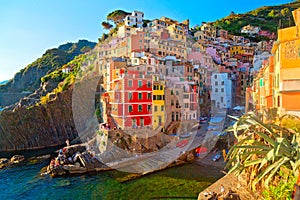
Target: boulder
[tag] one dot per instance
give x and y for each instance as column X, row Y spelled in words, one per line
column 4, row 161
column 17, row 159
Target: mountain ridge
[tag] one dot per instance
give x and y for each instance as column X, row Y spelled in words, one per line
column 28, row 79
column 269, row 18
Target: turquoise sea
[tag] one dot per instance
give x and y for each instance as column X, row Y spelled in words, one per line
column 184, row 182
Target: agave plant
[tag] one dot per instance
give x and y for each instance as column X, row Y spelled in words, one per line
column 262, row 149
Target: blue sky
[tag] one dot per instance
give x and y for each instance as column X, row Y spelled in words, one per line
column 29, row 27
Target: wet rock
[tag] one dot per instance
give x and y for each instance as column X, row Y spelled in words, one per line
column 39, row 158
column 4, row 161
column 17, row 159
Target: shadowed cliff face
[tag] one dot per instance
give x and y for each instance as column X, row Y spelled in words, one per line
column 39, row 126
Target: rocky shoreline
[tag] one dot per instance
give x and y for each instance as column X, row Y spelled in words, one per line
column 17, row 159
column 76, row 159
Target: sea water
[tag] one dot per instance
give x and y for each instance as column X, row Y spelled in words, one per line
column 25, row 182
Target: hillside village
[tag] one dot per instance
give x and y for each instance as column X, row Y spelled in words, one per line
column 159, row 72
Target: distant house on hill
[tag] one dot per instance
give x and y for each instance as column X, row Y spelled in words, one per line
column 251, row 30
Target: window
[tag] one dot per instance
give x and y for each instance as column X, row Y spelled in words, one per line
column 216, row 76
column 154, row 87
column 177, row 116
column 222, row 99
column 149, row 107
column 140, row 108
column 177, row 104
column 140, row 95
column 177, row 93
column 186, row 105
column 149, row 95
column 155, row 108
column 172, row 93
column 140, row 83
column 129, row 83
column 148, row 84
column 222, row 89
column 130, row 96
column 186, row 96
column 216, row 83
column 172, row 102
column 161, row 87
column 154, row 97
column 162, row 108
column 216, row 90
column 130, row 108
column 222, row 83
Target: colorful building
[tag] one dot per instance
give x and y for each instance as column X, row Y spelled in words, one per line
column 158, row 102
column 286, row 52
column 131, row 99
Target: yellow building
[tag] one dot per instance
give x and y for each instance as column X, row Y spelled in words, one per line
column 235, row 50
column 286, row 51
column 158, row 103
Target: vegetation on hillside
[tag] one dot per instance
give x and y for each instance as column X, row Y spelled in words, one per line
column 52, row 59
column 268, row 18
column 66, row 79
column 268, row 152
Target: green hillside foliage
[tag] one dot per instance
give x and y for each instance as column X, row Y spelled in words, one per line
column 51, row 60
column 57, row 57
column 66, row 79
column 269, row 18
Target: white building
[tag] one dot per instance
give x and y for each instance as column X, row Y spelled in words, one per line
column 135, row 19
column 250, row 29
column 221, row 94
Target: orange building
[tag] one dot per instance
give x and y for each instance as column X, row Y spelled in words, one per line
column 277, row 83
column 286, row 51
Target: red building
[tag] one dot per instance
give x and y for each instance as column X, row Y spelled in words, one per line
column 131, row 99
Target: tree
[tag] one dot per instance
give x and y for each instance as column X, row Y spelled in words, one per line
column 285, row 12
column 117, row 16
column 272, row 13
column 106, row 25
column 255, row 12
column 232, row 13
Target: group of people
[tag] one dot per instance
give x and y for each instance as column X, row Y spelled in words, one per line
column 105, row 126
column 63, row 158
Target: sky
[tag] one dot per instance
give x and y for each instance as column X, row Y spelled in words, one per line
column 29, row 27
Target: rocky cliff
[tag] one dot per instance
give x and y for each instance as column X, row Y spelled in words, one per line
column 38, row 126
